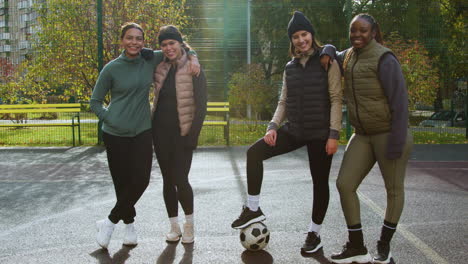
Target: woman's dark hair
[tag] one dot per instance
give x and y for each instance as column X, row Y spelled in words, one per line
column 315, row 45
column 375, row 27
column 170, row 30
column 129, row 25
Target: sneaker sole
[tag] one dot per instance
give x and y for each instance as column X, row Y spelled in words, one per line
column 317, row 248
column 130, row 243
column 187, row 242
column 388, row 260
column 358, row 259
column 98, row 224
column 251, row 221
column 172, row 241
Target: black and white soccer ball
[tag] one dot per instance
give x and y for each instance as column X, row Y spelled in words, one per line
column 255, row 236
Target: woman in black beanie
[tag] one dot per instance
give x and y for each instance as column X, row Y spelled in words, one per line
column 311, row 102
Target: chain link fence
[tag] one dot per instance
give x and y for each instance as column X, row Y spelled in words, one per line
column 49, row 54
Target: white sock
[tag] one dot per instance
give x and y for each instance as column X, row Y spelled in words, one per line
column 174, row 220
column 189, row 219
column 253, row 201
column 313, row 227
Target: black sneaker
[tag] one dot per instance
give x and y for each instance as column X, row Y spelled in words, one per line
column 312, row 243
column 248, row 217
column 383, row 253
column 351, row 254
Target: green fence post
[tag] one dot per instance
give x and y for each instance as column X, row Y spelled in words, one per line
column 452, row 110
column 225, row 51
column 348, row 10
column 348, row 13
column 466, row 112
column 348, row 126
column 100, row 55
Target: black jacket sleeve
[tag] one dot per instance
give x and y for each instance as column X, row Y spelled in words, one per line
column 201, row 98
column 331, row 51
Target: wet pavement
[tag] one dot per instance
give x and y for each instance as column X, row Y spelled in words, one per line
column 50, row 199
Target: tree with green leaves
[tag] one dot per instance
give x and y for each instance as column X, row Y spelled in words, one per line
column 11, row 89
column 270, row 20
column 439, row 25
column 7, row 75
column 454, row 56
column 65, row 53
column 248, row 86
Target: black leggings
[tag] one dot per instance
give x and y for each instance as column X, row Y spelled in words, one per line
column 175, row 162
column 129, row 161
column 319, row 164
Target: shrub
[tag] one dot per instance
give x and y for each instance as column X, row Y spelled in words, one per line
column 249, row 86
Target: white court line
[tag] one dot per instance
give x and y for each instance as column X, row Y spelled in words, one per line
column 418, row 243
column 52, row 181
column 444, row 222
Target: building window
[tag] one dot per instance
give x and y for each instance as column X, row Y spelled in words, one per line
column 4, row 36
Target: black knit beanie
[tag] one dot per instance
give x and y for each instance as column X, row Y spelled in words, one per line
column 299, row 22
column 169, row 32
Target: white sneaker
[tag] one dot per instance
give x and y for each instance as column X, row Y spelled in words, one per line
column 174, row 234
column 188, row 235
column 104, row 232
column 130, row 238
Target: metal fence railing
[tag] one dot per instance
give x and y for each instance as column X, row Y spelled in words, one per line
column 49, row 54
column 241, row 132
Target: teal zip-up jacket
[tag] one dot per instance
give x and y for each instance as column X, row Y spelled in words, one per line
column 128, row 80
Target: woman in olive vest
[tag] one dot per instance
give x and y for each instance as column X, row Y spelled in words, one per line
column 179, row 108
column 311, row 101
column 377, row 102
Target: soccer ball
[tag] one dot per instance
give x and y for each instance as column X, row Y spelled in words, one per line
column 255, row 236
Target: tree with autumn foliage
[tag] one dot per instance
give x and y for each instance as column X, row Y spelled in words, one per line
column 64, row 61
column 10, row 90
column 248, row 86
column 7, row 70
column 422, row 78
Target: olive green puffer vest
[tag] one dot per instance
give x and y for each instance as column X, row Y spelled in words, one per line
column 369, row 112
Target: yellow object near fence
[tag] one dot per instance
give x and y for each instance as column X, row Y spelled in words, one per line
column 219, row 107
column 17, row 109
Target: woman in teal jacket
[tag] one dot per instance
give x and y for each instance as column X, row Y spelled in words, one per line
column 127, row 127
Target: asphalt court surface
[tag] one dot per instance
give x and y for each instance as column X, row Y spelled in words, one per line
column 50, row 199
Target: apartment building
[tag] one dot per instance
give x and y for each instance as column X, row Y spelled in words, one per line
column 17, row 29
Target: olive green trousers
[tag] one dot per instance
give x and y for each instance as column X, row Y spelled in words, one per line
column 361, row 154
